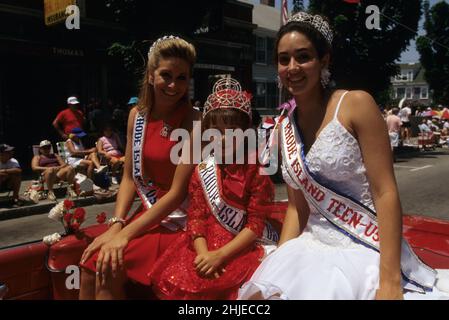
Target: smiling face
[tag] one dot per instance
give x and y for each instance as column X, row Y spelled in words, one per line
column 223, row 120
column 299, row 65
column 170, row 81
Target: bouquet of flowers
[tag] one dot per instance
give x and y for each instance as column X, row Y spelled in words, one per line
column 70, row 217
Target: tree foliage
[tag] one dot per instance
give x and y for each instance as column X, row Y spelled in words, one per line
column 148, row 20
column 367, row 59
column 298, row 5
column 434, row 50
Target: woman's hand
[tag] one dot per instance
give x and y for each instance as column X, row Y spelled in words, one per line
column 207, row 264
column 110, row 257
column 100, row 241
column 389, row 292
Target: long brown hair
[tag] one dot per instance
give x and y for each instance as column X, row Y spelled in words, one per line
column 168, row 48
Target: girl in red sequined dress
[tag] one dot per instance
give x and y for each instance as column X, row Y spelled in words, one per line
column 226, row 219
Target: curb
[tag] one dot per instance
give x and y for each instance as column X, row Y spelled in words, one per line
column 26, row 211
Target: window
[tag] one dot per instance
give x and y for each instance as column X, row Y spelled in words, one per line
column 270, row 50
column 410, row 76
column 416, row 92
column 424, row 93
column 409, row 93
column 400, row 93
column 261, row 50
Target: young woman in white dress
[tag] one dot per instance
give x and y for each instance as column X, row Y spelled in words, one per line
column 344, row 145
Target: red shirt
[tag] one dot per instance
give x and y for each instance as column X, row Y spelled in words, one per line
column 70, row 119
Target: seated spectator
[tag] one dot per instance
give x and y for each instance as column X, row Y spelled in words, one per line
column 424, row 127
column 110, row 146
column 426, row 131
column 10, row 174
column 78, row 156
column 53, row 169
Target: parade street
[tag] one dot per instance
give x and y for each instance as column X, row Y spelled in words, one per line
column 422, row 179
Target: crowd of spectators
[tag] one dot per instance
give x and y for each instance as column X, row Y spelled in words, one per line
column 92, row 143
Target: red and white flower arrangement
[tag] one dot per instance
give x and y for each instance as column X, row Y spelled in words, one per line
column 70, row 217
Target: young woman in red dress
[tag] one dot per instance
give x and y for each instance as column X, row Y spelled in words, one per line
column 131, row 245
column 227, row 214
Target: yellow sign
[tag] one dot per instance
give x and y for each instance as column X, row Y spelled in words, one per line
column 55, row 10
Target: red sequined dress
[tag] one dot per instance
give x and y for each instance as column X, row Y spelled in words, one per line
column 142, row 252
column 174, row 275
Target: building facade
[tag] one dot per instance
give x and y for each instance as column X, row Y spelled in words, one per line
column 410, row 83
column 41, row 65
column 264, row 75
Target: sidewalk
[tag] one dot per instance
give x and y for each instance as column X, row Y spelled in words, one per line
column 44, row 206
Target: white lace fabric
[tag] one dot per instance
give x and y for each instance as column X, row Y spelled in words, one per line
column 336, row 161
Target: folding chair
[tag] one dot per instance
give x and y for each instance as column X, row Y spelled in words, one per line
column 61, row 150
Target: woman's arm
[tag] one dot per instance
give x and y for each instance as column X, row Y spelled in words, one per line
column 173, row 198
column 100, row 148
column 76, row 153
column 61, row 162
column 35, row 164
column 371, row 131
column 168, row 203
column 296, row 216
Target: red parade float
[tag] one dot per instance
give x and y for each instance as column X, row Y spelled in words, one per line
column 34, row 270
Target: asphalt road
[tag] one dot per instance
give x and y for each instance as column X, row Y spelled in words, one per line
column 423, row 180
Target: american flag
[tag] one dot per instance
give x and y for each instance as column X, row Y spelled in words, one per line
column 284, row 12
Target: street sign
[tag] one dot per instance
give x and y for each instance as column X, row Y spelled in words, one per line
column 55, row 11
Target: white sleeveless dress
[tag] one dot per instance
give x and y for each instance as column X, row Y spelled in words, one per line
column 74, row 162
column 323, row 263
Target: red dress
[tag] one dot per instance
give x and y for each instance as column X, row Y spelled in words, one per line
column 174, row 275
column 142, row 252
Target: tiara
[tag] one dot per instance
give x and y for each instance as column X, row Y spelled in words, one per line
column 321, row 25
column 162, row 39
column 227, row 93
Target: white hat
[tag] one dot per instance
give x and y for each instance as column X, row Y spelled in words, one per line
column 44, row 143
column 72, row 100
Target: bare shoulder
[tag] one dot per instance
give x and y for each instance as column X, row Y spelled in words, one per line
column 360, row 107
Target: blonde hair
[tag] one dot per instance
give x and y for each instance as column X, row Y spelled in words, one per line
column 168, row 48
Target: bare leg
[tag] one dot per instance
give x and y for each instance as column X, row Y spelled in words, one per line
column 113, row 288
column 49, row 177
column 87, row 288
column 67, row 174
column 90, row 167
column 15, row 179
column 94, row 158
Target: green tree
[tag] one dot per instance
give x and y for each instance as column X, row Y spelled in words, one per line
column 148, row 20
column 367, row 59
column 434, row 50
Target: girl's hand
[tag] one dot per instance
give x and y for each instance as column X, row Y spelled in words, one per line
column 110, row 257
column 389, row 292
column 100, row 241
column 207, row 264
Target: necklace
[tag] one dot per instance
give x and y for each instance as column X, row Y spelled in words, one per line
column 166, row 129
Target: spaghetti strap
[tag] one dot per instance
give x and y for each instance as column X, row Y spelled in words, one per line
column 339, row 103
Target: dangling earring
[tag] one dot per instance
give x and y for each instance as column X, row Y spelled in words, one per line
column 278, row 81
column 325, row 77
